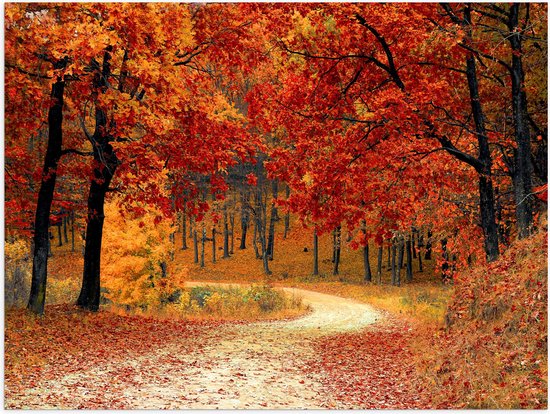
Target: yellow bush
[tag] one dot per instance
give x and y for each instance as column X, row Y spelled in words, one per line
column 214, row 303
column 134, row 249
column 18, row 270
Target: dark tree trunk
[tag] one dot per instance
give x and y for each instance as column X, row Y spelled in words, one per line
column 393, row 263
column 191, row 227
column 315, row 253
column 389, row 266
column 337, row 242
column 368, row 274
column 37, row 297
column 401, row 252
column 486, row 195
column 244, row 220
column 366, row 262
column 59, row 236
column 445, row 274
column 287, row 215
column 195, row 246
column 203, row 241
column 420, row 268
column 274, row 217
column 103, row 174
column 255, row 241
column 409, row 259
column 428, row 255
column 232, row 233
column 213, row 245
column 163, row 269
column 260, row 228
column 105, row 164
column 65, row 235
column 522, row 169
column 414, row 236
column 483, row 163
column 225, row 233
column 183, row 230
column 72, row 231
column 379, row 264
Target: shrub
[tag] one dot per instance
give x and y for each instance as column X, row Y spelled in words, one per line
column 199, row 294
column 235, row 302
column 18, row 270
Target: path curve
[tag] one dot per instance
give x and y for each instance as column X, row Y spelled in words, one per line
column 330, row 314
column 251, row 366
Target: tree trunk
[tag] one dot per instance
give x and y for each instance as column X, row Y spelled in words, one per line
column 389, row 266
column 420, row 237
column 37, row 297
column 213, row 245
column 287, row 215
column 315, row 253
column 244, row 220
column 103, row 174
column 428, row 255
column 203, row 241
column 225, row 233
column 72, row 231
column 183, row 230
column 393, row 263
column 59, row 236
column 366, row 263
column 105, row 164
column 232, row 233
column 400, row 260
column 261, row 213
column 414, row 236
column 409, row 259
column 522, row 168
column 272, row 220
column 195, row 246
column 445, row 274
column 65, row 219
column 255, row 241
column 337, row 242
column 379, row 264
column 401, row 254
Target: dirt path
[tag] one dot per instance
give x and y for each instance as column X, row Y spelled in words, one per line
column 259, row 365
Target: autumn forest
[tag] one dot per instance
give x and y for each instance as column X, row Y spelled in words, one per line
column 275, row 205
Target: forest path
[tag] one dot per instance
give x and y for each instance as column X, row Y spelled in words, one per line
column 253, row 366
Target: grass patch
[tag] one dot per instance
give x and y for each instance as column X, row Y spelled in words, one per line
column 256, row 302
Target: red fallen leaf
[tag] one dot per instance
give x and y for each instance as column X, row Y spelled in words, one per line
column 302, row 382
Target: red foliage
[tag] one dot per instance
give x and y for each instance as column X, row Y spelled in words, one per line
column 373, row 369
column 49, row 347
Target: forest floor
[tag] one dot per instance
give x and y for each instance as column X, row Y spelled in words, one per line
column 310, row 362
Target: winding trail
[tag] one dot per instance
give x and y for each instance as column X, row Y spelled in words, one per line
column 253, row 366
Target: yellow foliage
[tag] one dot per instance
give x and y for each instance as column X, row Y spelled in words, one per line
column 18, row 265
column 133, row 250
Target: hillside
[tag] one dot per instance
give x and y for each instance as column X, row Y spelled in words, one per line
column 492, row 352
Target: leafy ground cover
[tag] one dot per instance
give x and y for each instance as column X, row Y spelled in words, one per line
column 67, row 339
column 372, row 369
column 493, row 350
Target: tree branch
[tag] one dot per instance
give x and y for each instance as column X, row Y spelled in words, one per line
column 77, row 152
